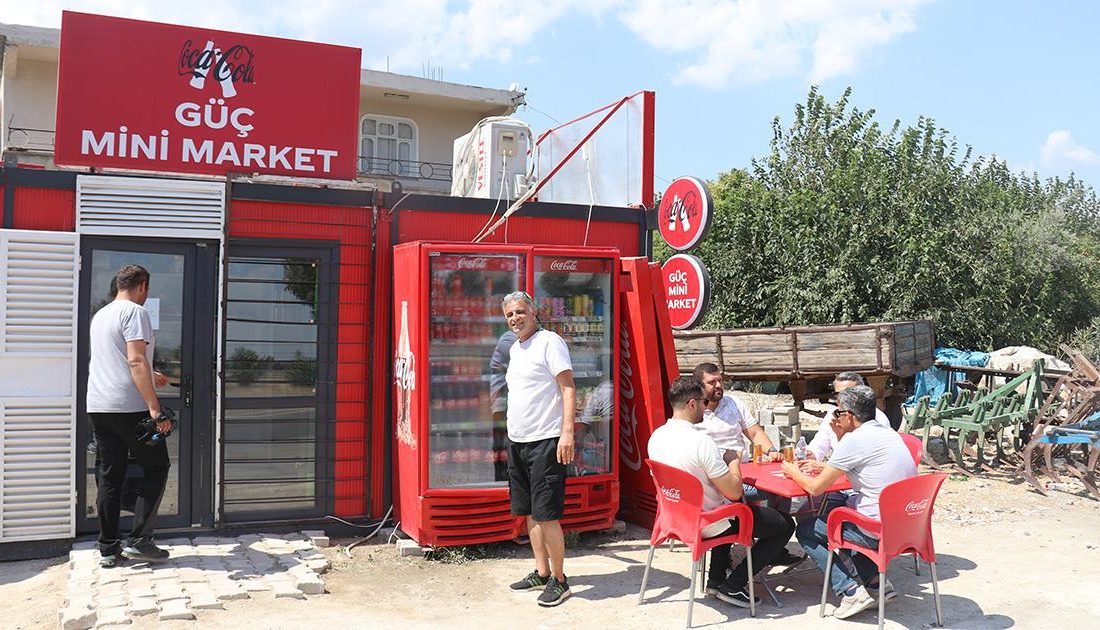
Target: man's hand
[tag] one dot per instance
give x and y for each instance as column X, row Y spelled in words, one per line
column 565, row 449
column 775, row 456
column 789, row 469
column 159, row 380
column 164, row 426
column 811, row 466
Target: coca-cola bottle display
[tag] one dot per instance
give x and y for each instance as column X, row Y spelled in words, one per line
column 572, row 296
column 469, row 342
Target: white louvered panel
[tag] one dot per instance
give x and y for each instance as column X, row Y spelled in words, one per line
column 164, row 208
column 38, row 290
column 37, row 490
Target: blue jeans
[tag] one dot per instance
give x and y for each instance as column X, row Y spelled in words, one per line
column 812, row 534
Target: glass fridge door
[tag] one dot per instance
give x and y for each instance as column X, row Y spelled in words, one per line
column 468, row 359
column 574, row 300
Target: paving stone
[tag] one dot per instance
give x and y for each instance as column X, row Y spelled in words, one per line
column 137, row 570
column 113, row 601
column 164, row 573
column 73, row 618
column 174, row 542
column 310, row 585
column 141, row 592
column 86, row 601
column 227, row 589
column 83, row 556
column 253, row 585
column 320, row 566
column 143, row 606
column 169, row 591
column 191, row 574
column 115, row 616
column 205, row 600
column 175, row 609
column 287, row 560
column 311, row 554
column 287, row 589
column 112, row 576
column 317, row 537
column 85, row 544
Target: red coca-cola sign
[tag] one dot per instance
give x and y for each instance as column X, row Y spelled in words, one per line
column 474, row 263
column 687, row 289
column 161, row 97
column 685, row 213
column 572, row 265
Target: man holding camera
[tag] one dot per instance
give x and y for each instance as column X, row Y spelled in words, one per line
column 121, row 394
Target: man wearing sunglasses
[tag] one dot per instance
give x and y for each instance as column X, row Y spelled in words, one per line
column 872, row 457
column 821, row 447
column 541, row 410
column 677, row 443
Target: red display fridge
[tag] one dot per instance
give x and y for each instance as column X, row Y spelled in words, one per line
column 450, row 359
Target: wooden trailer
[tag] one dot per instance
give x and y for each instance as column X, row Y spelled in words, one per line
column 807, row 357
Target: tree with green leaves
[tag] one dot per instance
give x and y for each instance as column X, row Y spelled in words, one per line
column 845, row 221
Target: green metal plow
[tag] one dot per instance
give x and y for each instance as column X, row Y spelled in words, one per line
column 976, row 416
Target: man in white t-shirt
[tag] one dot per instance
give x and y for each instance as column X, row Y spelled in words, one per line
column 121, row 393
column 728, row 420
column 821, row 447
column 679, row 444
column 872, row 457
column 541, row 410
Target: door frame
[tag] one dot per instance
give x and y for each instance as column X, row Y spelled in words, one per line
column 200, row 286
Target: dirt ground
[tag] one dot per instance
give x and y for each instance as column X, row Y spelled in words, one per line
column 1008, row 557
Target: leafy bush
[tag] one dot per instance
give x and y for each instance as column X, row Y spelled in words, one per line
column 844, row 221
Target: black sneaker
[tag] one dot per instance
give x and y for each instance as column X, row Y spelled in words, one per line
column 110, row 560
column 712, row 587
column 737, row 597
column 555, row 592
column 787, row 559
column 144, row 550
column 532, row 582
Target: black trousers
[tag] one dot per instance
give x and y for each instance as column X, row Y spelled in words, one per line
column 115, row 443
column 770, row 529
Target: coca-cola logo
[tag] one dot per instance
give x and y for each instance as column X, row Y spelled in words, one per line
column 231, row 66
column 916, row 507
column 563, row 265
column 685, row 213
column 629, row 452
column 672, row 494
column 479, row 262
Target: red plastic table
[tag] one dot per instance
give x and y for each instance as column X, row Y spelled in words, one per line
column 769, row 477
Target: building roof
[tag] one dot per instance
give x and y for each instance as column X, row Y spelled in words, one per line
column 388, row 84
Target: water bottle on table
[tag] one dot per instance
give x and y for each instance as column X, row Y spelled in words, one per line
column 800, row 449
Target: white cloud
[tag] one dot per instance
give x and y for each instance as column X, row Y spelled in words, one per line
column 1062, row 153
column 749, row 41
column 718, row 42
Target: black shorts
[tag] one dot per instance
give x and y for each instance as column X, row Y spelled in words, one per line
column 536, row 480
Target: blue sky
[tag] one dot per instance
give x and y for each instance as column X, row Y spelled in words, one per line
column 1013, row 78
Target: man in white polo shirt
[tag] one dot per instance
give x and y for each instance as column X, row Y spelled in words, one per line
column 541, row 410
column 821, row 447
column 728, row 420
column 677, row 443
column 872, row 457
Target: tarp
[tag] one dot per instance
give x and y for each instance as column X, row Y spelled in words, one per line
column 935, row 382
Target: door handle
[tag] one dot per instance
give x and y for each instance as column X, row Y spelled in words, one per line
column 186, row 391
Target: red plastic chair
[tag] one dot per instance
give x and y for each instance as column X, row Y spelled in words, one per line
column 680, row 516
column 915, row 446
column 905, row 527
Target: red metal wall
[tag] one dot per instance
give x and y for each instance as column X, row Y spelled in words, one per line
column 44, row 209
column 429, row 225
column 350, row 226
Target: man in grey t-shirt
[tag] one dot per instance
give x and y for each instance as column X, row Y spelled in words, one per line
column 121, row 393
column 872, row 457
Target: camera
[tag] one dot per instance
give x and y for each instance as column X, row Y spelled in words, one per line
column 146, row 430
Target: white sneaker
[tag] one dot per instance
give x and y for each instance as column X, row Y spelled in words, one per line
column 890, row 593
column 853, row 604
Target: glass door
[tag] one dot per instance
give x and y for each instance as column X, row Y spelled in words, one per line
column 574, row 300
column 181, row 306
column 468, row 358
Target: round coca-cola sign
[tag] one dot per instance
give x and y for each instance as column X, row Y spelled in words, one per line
column 685, row 213
column 687, row 289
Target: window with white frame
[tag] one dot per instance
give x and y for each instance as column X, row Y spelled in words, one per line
column 387, row 146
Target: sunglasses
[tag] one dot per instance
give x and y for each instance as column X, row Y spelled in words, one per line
column 517, row 295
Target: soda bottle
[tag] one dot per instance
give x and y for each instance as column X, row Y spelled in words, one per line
column 800, row 449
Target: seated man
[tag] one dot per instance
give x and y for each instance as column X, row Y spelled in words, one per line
column 678, row 444
column 872, row 457
column 821, row 447
column 728, row 420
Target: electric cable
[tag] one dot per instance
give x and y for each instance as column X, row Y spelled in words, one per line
column 591, row 193
column 500, row 196
column 347, row 550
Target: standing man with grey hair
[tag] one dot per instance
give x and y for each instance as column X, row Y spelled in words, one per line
column 121, row 393
column 872, row 457
column 821, row 447
column 541, row 411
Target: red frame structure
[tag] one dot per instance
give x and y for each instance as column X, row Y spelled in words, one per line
column 462, row 516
